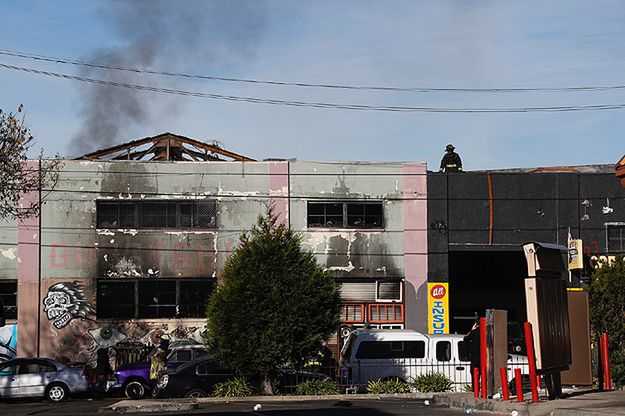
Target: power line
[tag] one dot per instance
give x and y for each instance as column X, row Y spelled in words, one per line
column 310, row 104
column 69, row 61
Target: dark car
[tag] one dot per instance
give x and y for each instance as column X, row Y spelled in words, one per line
column 196, row 378
column 134, row 378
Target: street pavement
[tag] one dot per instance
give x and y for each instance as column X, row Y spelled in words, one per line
column 396, row 407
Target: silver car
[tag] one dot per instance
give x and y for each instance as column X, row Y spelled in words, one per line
column 32, row 377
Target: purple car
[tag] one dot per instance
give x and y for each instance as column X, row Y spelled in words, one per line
column 134, row 378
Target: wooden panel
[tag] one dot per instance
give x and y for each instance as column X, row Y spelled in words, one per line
column 580, row 372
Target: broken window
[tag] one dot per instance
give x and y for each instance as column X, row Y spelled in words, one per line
column 388, row 291
column 153, row 298
column 346, row 214
column 8, row 295
column 156, row 214
column 616, row 238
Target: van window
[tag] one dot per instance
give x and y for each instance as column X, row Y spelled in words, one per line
column 390, row 349
column 443, row 351
column 463, row 351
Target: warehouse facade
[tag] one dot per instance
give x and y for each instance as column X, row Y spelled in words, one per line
column 124, row 251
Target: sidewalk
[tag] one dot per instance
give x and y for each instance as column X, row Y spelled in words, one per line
column 576, row 404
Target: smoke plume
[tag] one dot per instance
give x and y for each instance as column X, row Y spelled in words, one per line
column 190, row 36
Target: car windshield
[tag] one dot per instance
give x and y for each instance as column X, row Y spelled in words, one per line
column 192, row 363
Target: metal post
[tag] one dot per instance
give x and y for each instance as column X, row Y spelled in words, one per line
column 605, row 361
column 504, row 383
column 518, row 378
column 476, row 382
column 483, row 367
column 529, row 343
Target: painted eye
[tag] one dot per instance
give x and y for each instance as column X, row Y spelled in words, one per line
column 62, row 300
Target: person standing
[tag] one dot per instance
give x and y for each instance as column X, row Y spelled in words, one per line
column 472, row 341
column 158, row 358
column 451, row 161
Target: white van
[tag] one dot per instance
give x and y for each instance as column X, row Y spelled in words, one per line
column 370, row 355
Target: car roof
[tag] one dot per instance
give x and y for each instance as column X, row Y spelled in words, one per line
column 26, row 359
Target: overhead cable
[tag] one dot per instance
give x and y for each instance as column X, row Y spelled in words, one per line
column 69, row 61
column 311, row 104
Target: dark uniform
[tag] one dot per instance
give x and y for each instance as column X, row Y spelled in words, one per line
column 451, row 161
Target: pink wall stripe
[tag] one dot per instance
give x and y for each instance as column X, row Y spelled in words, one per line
column 279, row 189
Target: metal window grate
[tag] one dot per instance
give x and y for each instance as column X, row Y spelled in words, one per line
column 156, row 214
column 152, row 298
column 616, row 238
column 354, row 214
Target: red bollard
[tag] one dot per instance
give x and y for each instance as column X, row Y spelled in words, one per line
column 476, row 382
column 483, row 370
column 529, row 343
column 518, row 378
column 504, row 383
column 605, row 361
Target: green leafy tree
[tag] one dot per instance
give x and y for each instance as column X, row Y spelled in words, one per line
column 276, row 306
column 607, row 313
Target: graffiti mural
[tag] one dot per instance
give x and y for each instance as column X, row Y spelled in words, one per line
column 8, row 342
column 65, row 302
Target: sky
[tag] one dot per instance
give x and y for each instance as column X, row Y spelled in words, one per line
column 406, row 44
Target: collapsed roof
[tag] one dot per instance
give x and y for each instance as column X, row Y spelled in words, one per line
column 166, row 147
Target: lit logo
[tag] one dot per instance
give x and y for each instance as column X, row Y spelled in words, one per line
column 437, row 291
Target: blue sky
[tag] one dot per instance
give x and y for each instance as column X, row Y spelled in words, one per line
column 442, row 44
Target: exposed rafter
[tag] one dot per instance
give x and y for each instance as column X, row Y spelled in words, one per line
column 166, row 147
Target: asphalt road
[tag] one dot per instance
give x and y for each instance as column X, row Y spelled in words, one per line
column 85, row 407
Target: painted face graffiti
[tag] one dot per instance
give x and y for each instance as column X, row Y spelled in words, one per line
column 64, row 302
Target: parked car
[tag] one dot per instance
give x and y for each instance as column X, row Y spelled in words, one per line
column 405, row 354
column 134, row 379
column 32, row 377
column 196, row 378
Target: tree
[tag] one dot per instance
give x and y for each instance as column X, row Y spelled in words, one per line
column 16, row 175
column 607, row 313
column 275, row 306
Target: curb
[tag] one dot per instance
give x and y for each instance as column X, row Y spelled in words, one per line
column 334, row 397
column 181, row 405
column 466, row 400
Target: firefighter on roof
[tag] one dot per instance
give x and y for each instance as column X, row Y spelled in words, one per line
column 451, row 161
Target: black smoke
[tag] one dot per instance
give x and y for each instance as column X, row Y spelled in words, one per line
column 185, row 36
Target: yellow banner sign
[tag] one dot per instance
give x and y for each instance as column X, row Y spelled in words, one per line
column 438, row 307
column 576, row 255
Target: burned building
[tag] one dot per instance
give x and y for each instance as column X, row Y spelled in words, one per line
column 129, row 244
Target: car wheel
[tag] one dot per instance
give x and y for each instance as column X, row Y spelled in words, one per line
column 196, row 393
column 57, row 392
column 134, row 390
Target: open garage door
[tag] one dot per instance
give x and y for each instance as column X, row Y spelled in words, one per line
column 486, row 279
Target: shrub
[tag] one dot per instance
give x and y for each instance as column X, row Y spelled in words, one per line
column 388, row 386
column 239, row 387
column 432, row 383
column 323, row 387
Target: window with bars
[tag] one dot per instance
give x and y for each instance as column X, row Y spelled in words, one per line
column 353, row 313
column 152, row 298
column 156, row 214
column 616, row 238
column 359, row 214
column 8, row 296
column 386, row 313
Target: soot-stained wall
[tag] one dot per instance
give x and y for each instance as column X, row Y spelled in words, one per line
column 64, row 259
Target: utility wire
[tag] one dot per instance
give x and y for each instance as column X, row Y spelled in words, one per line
column 310, row 104
column 69, row 61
